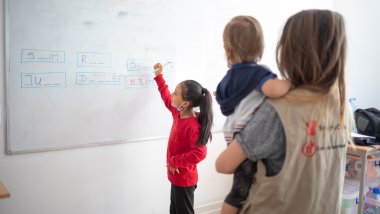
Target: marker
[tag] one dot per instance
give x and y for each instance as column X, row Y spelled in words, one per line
column 162, row 66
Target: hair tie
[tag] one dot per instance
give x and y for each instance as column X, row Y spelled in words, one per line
column 203, row 91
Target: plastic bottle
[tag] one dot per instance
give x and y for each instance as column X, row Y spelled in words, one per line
column 353, row 107
column 372, row 203
column 350, row 198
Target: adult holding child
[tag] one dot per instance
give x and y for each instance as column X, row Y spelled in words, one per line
column 300, row 139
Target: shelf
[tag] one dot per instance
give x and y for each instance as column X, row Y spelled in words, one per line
column 363, row 153
column 360, row 150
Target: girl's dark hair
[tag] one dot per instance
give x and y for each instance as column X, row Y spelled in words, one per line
column 194, row 93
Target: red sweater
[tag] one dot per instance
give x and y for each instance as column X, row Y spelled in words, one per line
column 182, row 153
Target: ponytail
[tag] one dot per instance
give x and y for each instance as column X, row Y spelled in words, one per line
column 205, row 117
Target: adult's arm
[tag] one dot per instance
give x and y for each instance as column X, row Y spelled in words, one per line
column 230, row 158
column 262, row 138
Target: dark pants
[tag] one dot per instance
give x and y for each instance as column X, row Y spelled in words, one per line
column 182, row 199
column 242, row 181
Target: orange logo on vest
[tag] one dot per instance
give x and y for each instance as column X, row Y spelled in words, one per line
column 309, row 148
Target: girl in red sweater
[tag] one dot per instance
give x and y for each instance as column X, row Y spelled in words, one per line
column 189, row 135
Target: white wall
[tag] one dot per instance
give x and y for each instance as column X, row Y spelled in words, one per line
column 363, row 64
column 130, row 178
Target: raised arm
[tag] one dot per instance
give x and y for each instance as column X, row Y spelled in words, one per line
column 163, row 87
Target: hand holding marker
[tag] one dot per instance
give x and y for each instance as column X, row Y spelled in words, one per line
column 158, row 70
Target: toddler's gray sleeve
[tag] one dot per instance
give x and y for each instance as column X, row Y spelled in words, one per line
column 263, row 137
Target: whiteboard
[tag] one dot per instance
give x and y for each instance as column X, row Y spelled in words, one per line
column 79, row 73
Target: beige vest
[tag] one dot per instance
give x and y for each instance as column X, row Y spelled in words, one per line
column 311, row 179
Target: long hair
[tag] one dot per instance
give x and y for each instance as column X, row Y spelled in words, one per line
column 243, row 40
column 198, row 96
column 311, row 52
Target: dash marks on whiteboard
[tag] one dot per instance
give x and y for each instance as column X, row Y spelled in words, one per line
column 95, row 61
column 39, row 79
column 139, row 73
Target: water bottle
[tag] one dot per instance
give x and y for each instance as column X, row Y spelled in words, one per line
column 372, row 202
column 353, row 107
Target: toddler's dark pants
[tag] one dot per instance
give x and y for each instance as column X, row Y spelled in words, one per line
column 243, row 178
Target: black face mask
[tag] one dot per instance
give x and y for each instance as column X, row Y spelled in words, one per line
column 180, row 107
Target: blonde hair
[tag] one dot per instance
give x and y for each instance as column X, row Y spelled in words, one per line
column 311, row 52
column 243, row 40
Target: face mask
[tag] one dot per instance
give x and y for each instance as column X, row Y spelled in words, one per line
column 180, row 107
